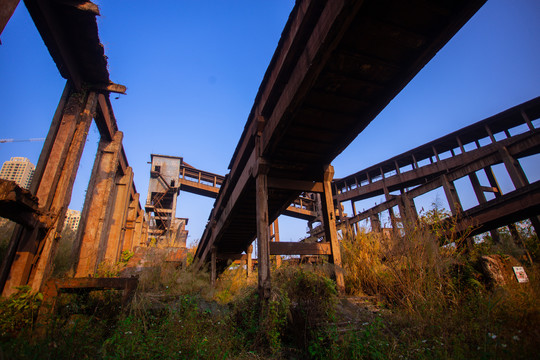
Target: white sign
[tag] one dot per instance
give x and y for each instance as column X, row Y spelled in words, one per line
column 521, row 275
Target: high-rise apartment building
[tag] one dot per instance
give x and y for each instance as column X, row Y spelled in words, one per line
column 18, row 169
column 72, row 219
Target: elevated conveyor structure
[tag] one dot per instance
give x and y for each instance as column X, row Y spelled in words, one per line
column 337, row 65
column 504, row 138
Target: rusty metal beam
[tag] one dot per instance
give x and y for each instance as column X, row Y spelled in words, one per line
column 296, row 185
column 82, row 5
column 47, row 22
column 300, row 248
column 6, row 11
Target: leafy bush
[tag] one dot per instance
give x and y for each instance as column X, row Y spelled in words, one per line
column 19, row 311
column 431, row 304
column 297, row 316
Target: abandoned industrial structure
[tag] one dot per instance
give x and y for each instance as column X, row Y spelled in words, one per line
column 340, row 60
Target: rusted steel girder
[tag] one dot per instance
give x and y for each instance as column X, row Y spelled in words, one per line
column 6, row 11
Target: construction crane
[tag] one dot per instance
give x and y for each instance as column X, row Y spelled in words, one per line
column 2, row 141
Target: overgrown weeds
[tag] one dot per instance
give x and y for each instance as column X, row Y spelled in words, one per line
column 439, row 300
column 432, row 297
column 17, row 313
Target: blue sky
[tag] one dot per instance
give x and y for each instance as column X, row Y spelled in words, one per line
column 193, row 68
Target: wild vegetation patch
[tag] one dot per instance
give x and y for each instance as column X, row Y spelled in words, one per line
column 419, row 295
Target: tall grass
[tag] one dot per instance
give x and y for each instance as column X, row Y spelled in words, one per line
column 438, row 295
column 406, row 271
column 433, row 302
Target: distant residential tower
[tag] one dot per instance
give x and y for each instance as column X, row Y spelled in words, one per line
column 19, row 170
column 72, row 219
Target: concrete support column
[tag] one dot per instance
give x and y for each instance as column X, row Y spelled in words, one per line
column 53, row 185
column 119, row 216
column 329, row 223
column 452, row 196
column 387, row 197
column 514, row 169
column 408, row 209
column 144, row 233
column 139, row 225
column 263, row 239
column 375, row 223
column 94, row 226
column 481, row 197
column 129, row 236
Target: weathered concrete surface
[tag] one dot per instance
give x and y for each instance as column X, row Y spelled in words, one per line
column 67, row 136
column 497, row 270
column 18, row 204
column 93, row 231
column 119, row 217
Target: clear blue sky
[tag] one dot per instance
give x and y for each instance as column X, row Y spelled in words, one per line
column 193, row 68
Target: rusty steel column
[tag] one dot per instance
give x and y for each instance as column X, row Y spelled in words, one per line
column 131, row 221
column 276, row 239
column 119, row 215
column 263, row 239
column 95, row 218
column 53, row 186
column 249, row 260
column 329, row 223
column 356, row 229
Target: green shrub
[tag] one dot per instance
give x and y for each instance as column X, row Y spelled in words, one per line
column 19, row 311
